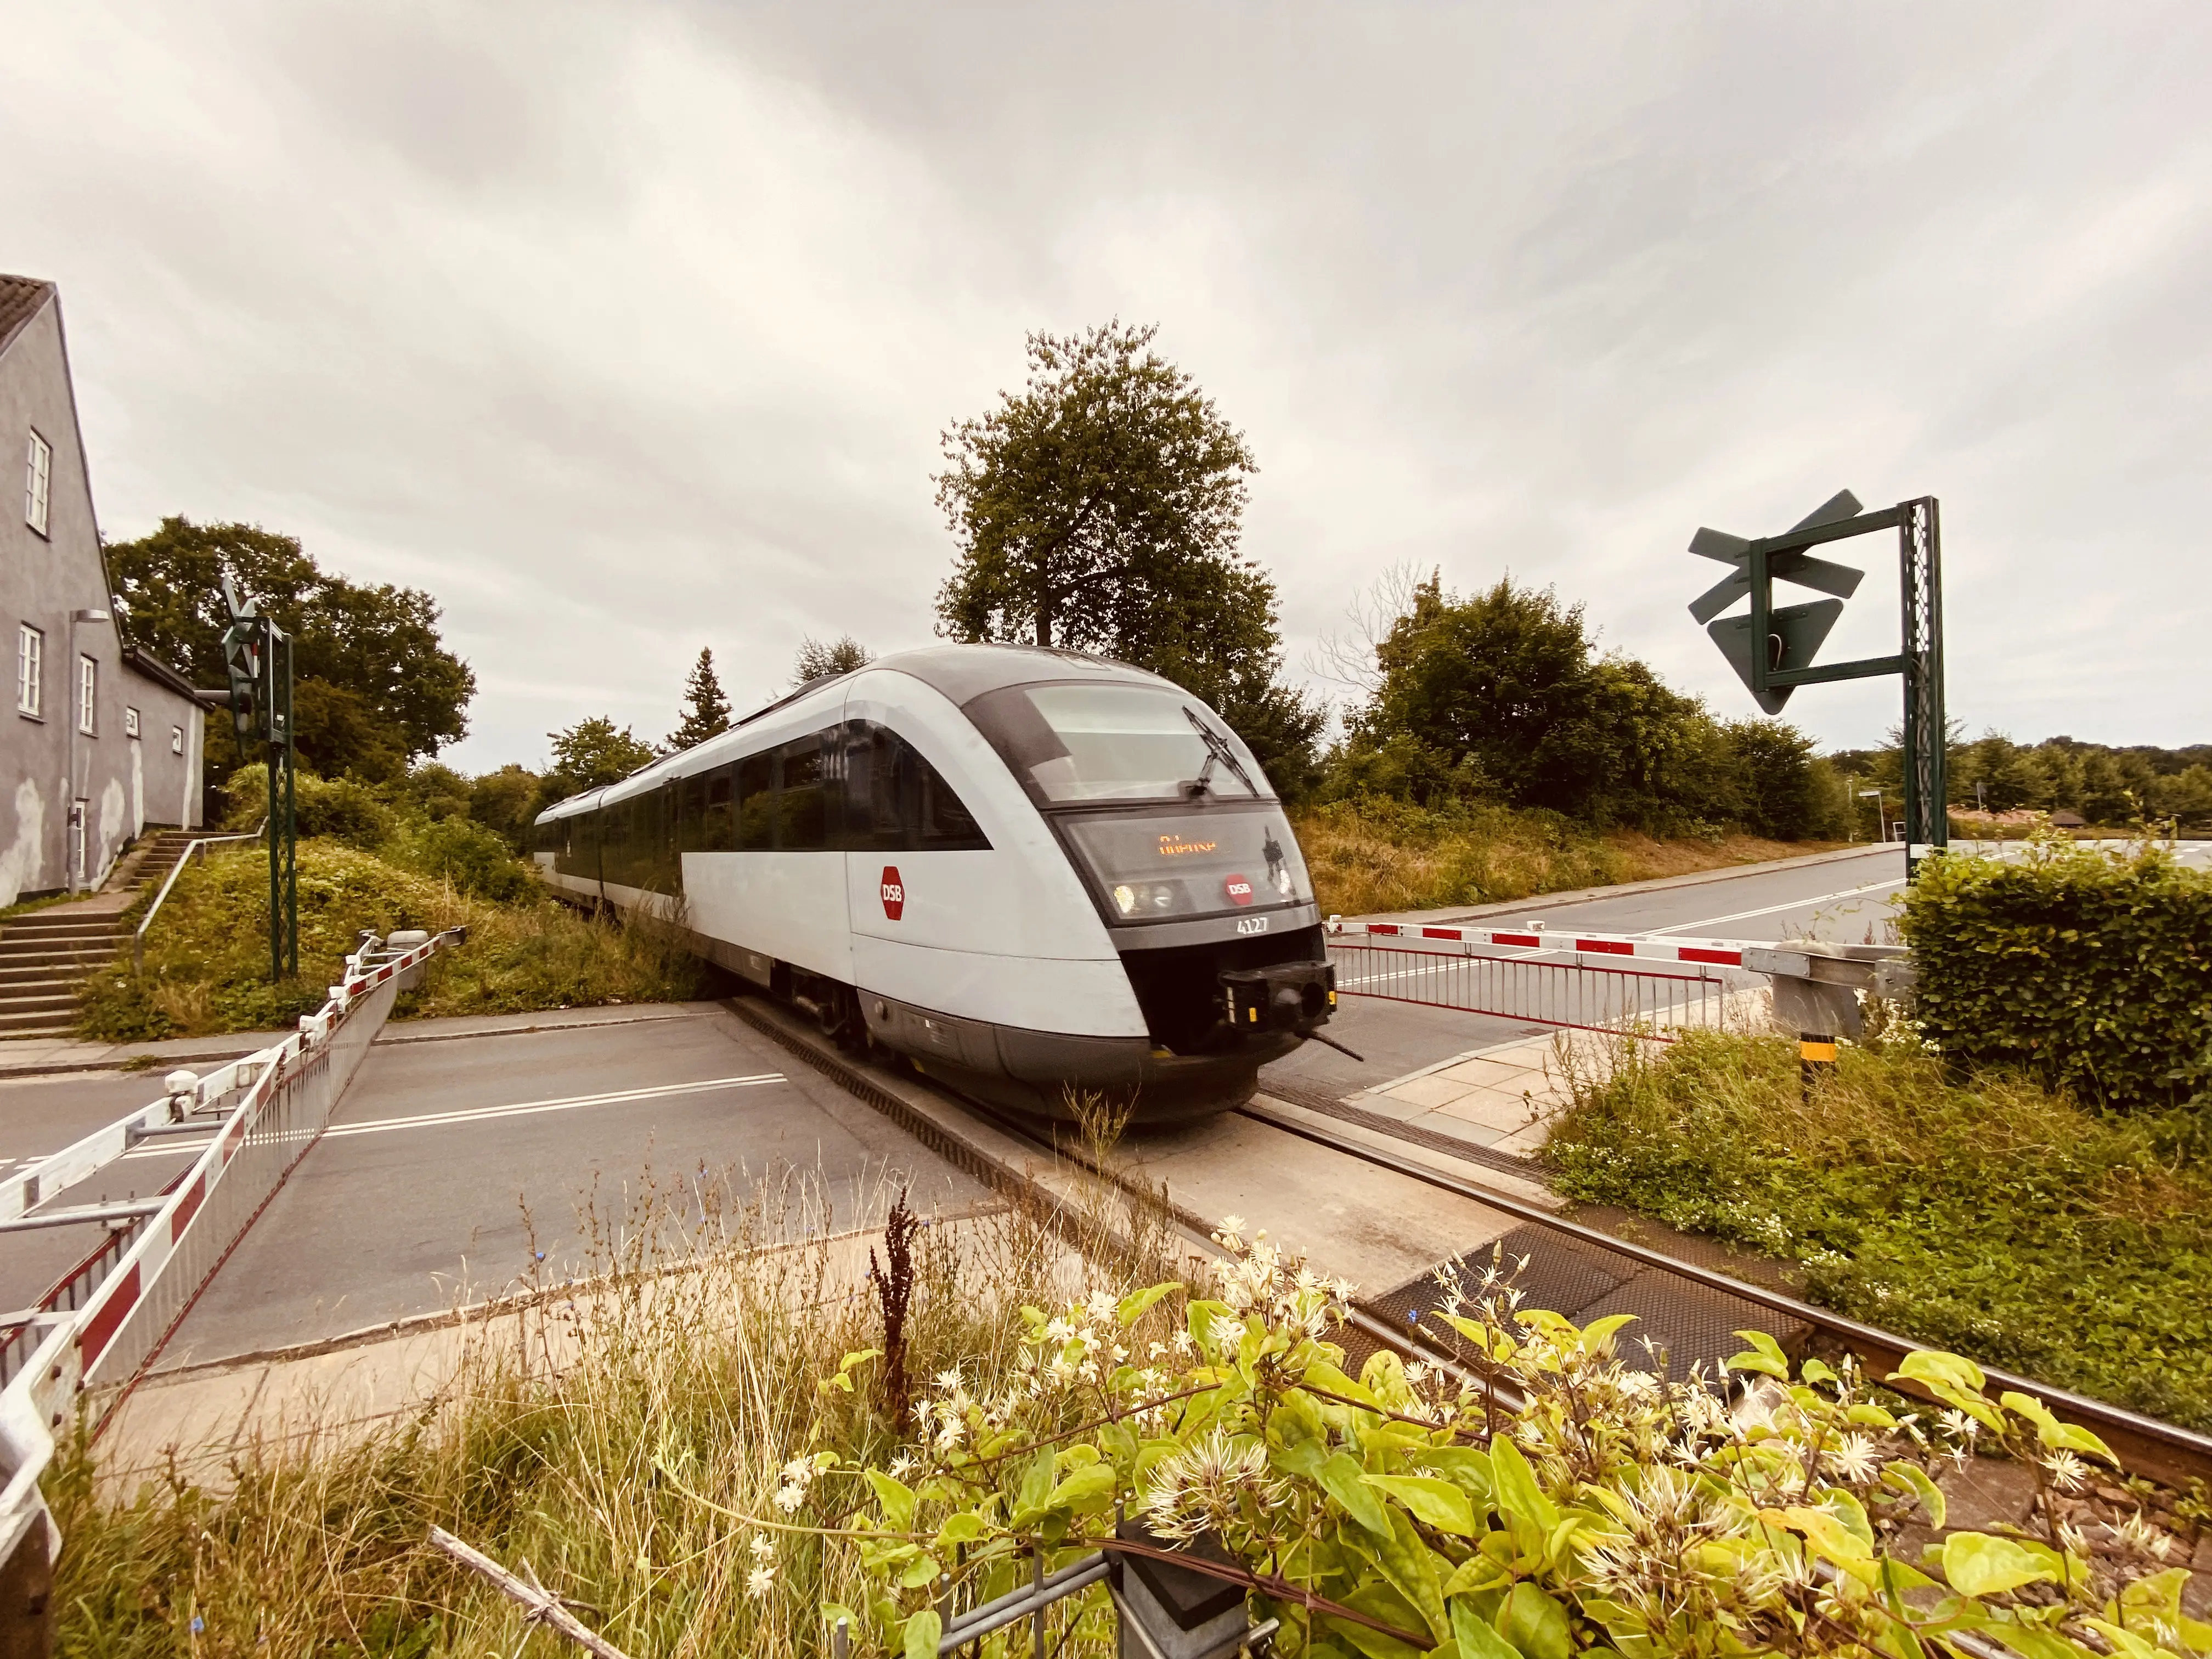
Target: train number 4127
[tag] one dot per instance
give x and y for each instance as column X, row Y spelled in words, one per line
column 1252, row 924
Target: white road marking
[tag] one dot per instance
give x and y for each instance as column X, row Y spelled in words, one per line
column 485, row 1114
column 1891, row 886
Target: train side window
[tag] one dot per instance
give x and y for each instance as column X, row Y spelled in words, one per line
column 715, row 823
column 802, row 814
column 691, row 813
column 755, row 824
column 895, row 801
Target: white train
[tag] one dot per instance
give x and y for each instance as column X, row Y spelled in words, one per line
column 1030, row 871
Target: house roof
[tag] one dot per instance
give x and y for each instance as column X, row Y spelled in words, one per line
column 19, row 300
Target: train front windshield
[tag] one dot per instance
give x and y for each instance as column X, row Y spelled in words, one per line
column 1218, row 844
column 1107, row 742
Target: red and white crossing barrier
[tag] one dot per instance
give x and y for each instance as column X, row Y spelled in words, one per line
column 1710, row 952
column 107, row 1319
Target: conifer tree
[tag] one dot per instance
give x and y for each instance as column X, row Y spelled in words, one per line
column 706, row 710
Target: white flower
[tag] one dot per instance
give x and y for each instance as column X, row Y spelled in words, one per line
column 947, row 1381
column 1059, row 1330
column 1156, row 1351
column 1102, row 1308
column 1961, row 1425
column 763, row 1546
column 2067, row 1473
column 758, row 1580
column 1225, row 1332
column 1855, row 1458
column 1232, row 1224
column 788, row 1498
column 1181, row 1340
column 799, row 1472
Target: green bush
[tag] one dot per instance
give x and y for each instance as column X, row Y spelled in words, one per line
column 476, row 860
column 340, row 809
column 2092, row 969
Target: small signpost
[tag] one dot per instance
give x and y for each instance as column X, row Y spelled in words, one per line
column 1772, row 647
column 258, row 655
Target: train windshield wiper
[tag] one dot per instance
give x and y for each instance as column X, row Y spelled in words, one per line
column 1217, row 751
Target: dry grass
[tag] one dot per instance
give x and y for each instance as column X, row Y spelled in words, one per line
column 1369, row 857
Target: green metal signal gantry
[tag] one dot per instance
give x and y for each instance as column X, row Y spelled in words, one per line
column 258, row 655
column 1771, row 647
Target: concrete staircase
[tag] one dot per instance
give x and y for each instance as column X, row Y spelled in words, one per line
column 155, row 858
column 45, row 956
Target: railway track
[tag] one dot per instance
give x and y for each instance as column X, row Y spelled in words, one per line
column 1576, row 1269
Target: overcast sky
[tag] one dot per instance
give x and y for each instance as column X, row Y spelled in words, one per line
column 626, row 329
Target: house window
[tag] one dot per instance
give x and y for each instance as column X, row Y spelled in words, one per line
column 176, row 739
column 88, row 695
column 38, row 476
column 30, row 663
column 129, row 722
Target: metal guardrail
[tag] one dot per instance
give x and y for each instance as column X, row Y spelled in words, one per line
column 195, row 849
column 106, row 1321
column 1641, row 1001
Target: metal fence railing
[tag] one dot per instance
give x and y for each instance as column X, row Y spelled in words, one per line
column 105, row 1322
column 1643, row 1001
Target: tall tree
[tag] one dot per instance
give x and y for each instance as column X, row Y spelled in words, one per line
column 818, row 659
column 1098, row 505
column 706, row 710
column 374, row 687
column 593, row 753
column 1100, row 508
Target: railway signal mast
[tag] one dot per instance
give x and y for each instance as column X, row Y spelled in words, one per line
column 1772, row 647
column 258, row 655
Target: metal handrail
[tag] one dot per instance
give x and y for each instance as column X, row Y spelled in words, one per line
column 193, row 850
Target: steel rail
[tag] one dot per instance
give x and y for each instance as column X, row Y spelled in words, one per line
column 2144, row 1444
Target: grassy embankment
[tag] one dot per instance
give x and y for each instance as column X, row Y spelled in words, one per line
column 1986, row 1216
column 1370, row 855
column 207, row 957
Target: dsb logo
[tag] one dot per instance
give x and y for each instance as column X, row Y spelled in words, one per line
column 1239, row 888
column 894, row 892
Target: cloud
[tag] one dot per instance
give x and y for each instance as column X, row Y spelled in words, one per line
column 630, row 329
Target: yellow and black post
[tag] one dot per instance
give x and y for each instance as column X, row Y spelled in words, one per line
column 1816, row 1058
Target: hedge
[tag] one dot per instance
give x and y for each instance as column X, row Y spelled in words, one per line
column 2092, row 969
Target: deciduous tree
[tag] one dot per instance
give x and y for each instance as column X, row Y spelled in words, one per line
column 818, row 659
column 1100, row 509
column 593, row 753
column 374, row 687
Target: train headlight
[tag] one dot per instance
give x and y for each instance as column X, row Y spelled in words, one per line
column 1125, row 900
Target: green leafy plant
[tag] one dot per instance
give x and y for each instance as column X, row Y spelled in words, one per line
column 1404, row 1512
